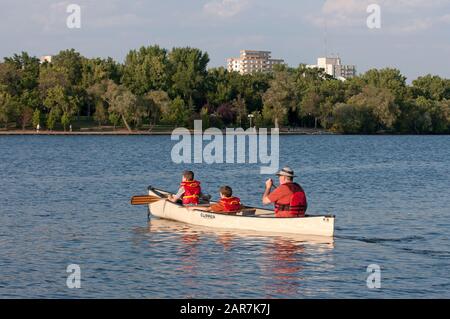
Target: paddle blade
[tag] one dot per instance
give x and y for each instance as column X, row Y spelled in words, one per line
column 144, row 199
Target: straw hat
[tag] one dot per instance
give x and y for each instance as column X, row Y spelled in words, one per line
column 286, row 171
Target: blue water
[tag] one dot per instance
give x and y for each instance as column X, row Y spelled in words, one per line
column 65, row 200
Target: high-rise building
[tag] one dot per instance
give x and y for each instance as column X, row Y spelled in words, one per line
column 333, row 66
column 46, row 58
column 252, row 61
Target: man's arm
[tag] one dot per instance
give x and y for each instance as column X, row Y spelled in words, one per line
column 177, row 196
column 265, row 198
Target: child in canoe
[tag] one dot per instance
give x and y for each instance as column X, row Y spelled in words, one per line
column 227, row 203
column 190, row 190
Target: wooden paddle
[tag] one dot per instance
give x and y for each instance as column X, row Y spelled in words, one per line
column 144, row 199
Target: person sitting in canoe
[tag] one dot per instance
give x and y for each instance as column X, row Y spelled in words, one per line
column 289, row 198
column 190, row 190
column 228, row 204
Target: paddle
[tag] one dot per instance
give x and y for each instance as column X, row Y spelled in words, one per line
column 144, row 199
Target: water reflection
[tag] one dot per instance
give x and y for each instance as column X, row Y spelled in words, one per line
column 202, row 255
column 226, row 241
column 285, row 264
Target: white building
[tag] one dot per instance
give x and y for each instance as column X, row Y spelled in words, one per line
column 333, row 66
column 252, row 61
column 46, row 58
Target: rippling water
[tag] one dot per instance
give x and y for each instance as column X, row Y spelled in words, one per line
column 65, row 200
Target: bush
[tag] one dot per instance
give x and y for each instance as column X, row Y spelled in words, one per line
column 353, row 119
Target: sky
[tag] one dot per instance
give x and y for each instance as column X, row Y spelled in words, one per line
column 414, row 35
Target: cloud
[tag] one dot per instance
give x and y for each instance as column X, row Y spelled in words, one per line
column 410, row 15
column 225, row 8
column 413, row 26
column 445, row 18
column 51, row 17
column 340, row 13
column 54, row 18
column 120, row 21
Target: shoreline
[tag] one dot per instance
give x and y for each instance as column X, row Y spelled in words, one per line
column 169, row 133
column 125, row 133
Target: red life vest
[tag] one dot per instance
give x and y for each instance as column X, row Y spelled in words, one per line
column 192, row 192
column 231, row 204
column 297, row 204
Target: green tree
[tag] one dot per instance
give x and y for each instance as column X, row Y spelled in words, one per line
column 97, row 70
column 31, row 99
column 240, row 109
column 52, row 118
column 114, row 119
column 36, row 120
column 177, row 113
column 380, row 103
column 220, row 86
column 121, row 102
column 70, row 63
column 146, row 69
column 188, row 74
column 258, row 119
column 25, row 116
column 280, row 98
column 65, row 120
column 62, row 104
column 51, row 76
column 431, row 87
column 430, row 116
column 156, row 102
column 6, row 108
column 27, row 68
column 124, row 104
column 390, row 79
column 352, row 119
column 204, row 116
column 440, row 113
column 445, row 108
column 101, row 113
column 331, row 92
column 310, row 105
column 251, row 87
column 10, row 79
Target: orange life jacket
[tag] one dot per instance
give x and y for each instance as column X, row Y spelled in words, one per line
column 297, row 204
column 192, row 192
column 231, row 204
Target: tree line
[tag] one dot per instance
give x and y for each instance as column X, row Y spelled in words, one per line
column 155, row 86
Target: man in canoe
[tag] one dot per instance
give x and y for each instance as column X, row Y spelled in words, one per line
column 227, row 203
column 289, row 198
column 190, row 190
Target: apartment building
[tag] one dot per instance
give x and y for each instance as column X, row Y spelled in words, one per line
column 333, row 66
column 46, row 58
column 251, row 61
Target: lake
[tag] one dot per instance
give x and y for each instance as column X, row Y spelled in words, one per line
column 65, row 200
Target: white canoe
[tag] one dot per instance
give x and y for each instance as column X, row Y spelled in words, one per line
column 262, row 221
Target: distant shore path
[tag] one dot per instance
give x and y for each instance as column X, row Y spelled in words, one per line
column 125, row 132
column 118, row 132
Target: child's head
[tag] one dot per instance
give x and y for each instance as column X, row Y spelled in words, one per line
column 225, row 191
column 188, row 176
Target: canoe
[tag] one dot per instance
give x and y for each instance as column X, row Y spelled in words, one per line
column 159, row 225
column 252, row 219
